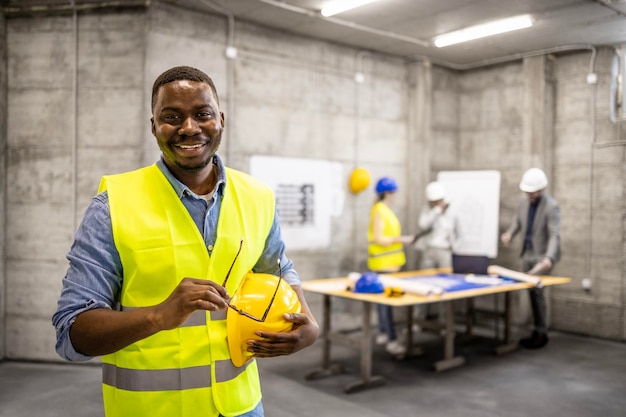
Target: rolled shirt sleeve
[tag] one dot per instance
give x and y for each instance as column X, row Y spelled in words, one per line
column 94, row 275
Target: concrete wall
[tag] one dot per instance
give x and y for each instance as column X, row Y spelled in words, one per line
column 589, row 169
column 56, row 155
column 3, row 141
column 493, row 133
column 78, row 107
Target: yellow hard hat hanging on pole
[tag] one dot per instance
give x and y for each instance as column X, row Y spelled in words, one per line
column 359, row 180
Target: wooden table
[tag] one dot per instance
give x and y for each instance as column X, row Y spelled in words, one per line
column 337, row 287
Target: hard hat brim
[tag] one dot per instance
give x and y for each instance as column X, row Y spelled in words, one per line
column 531, row 189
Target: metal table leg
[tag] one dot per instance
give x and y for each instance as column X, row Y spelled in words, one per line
column 508, row 345
column 327, row 368
column 449, row 360
column 470, row 313
column 410, row 350
column 367, row 380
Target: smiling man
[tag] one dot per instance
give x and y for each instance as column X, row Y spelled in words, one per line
column 142, row 288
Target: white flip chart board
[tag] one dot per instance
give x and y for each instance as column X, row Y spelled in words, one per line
column 474, row 198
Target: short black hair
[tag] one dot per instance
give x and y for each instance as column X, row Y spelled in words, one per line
column 181, row 73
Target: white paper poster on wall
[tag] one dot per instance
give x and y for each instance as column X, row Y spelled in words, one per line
column 474, row 198
column 307, row 193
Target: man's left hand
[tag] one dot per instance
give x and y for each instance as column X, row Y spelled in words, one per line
column 544, row 265
column 303, row 334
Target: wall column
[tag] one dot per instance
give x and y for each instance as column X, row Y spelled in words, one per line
column 3, row 175
column 419, row 144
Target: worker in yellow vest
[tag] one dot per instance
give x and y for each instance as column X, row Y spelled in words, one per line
column 386, row 254
column 159, row 259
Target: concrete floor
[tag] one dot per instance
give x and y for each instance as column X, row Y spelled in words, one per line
column 573, row 376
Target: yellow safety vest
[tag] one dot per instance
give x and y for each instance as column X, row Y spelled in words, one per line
column 384, row 258
column 186, row 371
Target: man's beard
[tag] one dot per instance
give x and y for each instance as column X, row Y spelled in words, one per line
column 197, row 167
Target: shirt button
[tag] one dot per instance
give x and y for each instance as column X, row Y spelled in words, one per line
column 210, row 247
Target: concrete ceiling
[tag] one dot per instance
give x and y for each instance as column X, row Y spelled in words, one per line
column 406, row 27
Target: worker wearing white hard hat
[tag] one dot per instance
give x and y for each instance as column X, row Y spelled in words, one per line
column 533, row 180
column 438, row 230
column 538, row 218
column 435, row 191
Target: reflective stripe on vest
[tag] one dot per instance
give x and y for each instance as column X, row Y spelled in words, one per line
column 168, row 379
column 188, row 369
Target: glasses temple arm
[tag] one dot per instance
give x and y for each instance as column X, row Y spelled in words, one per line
column 280, row 277
column 233, row 264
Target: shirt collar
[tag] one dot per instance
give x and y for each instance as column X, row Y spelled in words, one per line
column 539, row 200
column 182, row 190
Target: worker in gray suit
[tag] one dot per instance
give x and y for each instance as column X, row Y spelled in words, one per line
column 538, row 218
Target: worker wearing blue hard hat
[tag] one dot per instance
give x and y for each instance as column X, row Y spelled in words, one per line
column 386, row 254
column 386, row 184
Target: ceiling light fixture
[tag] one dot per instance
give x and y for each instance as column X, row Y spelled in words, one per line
column 339, row 6
column 486, row 29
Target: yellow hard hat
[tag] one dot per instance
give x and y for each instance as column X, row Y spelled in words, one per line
column 259, row 304
column 359, row 180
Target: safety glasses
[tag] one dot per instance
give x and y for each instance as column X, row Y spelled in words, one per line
column 267, row 310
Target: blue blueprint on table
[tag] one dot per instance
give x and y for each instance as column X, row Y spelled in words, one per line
column 459, row 282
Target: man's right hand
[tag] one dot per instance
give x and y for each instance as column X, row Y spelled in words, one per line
column 190, row 295
column 102, row 331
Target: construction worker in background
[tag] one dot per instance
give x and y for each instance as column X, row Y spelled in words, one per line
column 436, row 237
column 538, row 218
column 438, row 229
column 155, row 260
column 386, row 254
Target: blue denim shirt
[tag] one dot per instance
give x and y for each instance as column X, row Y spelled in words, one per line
column 94, row 277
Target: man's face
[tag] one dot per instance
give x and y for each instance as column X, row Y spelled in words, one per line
column 188, row 124
column 534, row 197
